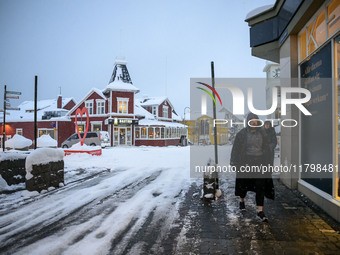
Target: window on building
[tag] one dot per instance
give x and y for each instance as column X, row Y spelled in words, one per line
column 144, row 132
column 165, row 111
column 96, row 126
column 46, row 131
column 157, row 133
column 204, row 127
column 162, row 132
column 81, row 128
column 151, row 133
column 89, row 106
column 100, row 106
column 137, row 133
column 123, row 105
column 154, row 110
column 19, row 131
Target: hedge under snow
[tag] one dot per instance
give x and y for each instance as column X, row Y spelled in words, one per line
column 42, row 156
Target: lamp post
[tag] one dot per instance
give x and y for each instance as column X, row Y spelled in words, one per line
column 184, row 120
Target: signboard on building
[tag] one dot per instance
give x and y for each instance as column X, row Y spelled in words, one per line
column 317, row 130
column 117, row 121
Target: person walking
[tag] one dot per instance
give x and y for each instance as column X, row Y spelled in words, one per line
column 271, row 134
column 251, row 149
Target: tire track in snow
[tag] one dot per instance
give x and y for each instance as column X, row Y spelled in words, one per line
column 103, row 206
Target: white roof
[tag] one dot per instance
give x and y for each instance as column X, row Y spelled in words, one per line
column 176, row 117
column 145, row 122
column 42, row 105
column 121, row 86
column 140, row 111
column 259, row 10
column 152, row 100
column 98, row 91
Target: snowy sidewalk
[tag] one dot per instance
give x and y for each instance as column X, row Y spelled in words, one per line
column 293, row 227
column 143, row 201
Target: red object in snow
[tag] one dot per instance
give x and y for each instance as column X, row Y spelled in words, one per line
column 93, row 152
column 81, row 112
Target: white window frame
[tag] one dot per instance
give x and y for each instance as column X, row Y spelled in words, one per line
column 100, row 101
column 155, row 110
column 19, row 131
column 90, row 109
column 49, row 129
column 97, row 123
column 123, row 99
column 166, row 109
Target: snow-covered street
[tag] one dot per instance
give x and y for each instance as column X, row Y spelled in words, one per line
column 105, row 202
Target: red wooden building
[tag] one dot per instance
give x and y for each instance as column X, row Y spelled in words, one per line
column 130, row 121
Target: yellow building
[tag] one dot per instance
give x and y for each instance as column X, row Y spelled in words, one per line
column 201, row 131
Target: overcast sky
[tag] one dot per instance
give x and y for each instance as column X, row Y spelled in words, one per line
column 73, row 44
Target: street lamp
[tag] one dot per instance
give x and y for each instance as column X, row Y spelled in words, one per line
column 184, row 120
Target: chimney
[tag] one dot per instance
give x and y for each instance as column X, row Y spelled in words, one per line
column 59, row 102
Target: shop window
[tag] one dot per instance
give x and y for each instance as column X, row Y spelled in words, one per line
column 337, row 76
column 302, row 44
column 333, row 11
column 157, row 133
column 165, row 111
column 319, row 32
column 100, row 107
column 115, row 136
column 311, row 41
column 143, row 132
column 89, row 106
column 19, row 131
column 123, row 105
column 151, row 133
column 204, row 127
column 96, row 126
column 137, row 133
column 162, row 132
column 46, row 131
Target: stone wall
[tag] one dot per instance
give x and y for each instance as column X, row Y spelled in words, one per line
column 45, row 176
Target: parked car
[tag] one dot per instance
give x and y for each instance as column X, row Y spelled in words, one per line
column 97, row 138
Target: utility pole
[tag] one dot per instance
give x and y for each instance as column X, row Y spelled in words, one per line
column 35, row 111
column 4, row 123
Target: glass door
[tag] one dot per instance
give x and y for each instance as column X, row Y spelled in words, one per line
column 122, row 136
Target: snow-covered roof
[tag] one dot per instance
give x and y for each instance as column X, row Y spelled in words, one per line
column 93, row 90
column 259, row 10
column 146, row 122
column 26, row 112
column 140, row 111
column 120, row 79
column 176, row 117
column 152, row 100
column 121, row 86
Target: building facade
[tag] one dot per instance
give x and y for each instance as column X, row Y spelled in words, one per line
column 150, row 121
column 303, row 37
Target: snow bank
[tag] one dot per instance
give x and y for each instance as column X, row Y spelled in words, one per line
column 46, row 141
column 13, row 155
column 18, row 142
column 42, row 156
column 78, row 147
column 3, row 184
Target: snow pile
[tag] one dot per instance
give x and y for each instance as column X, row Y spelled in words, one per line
column 12, row 155
column 18, row 142
column 42, row 156
column 3, row 184
column 78, row 147
column 46, row 141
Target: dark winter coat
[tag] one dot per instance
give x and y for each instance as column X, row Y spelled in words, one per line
column 239, row 158
column 271, row 134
